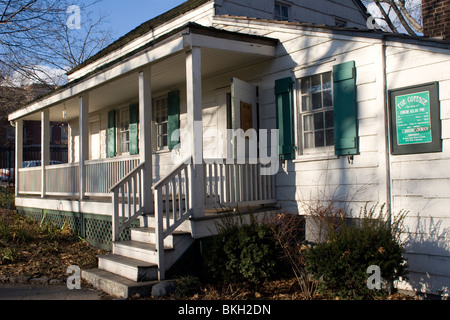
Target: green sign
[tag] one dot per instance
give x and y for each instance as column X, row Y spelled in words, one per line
column 413, row 121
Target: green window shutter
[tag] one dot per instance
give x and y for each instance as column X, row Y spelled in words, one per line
column 345, row 121
column 285, row 118
column 112, row 133
column 173, row 112
column 134, row 129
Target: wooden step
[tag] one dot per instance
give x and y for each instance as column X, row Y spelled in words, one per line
column 148, row 235
column 137, row 250
column 133, row 269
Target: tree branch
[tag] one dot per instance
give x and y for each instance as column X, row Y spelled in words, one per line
column 414, row 24
column 386, row 17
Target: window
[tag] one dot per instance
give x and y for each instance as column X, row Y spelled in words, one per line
column 281, row 12
column 340, row 23
column 124, row 130
column 316, row 115
column 161, row 122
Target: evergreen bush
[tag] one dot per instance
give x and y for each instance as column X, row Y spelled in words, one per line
column 340, row 264
column 243, row 251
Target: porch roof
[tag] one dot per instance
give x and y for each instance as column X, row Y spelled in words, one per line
column 124, row 70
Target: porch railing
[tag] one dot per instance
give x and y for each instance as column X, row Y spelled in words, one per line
column 63, row 179
column 231, row 184
column 103, row 174
column 127, row 197
column 30, row 180
column 172, row 207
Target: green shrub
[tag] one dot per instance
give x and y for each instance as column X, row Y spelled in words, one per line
column 243, row 251
column 341, row 262
column 186, row 286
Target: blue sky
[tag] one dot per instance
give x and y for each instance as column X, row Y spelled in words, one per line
column 125, row 15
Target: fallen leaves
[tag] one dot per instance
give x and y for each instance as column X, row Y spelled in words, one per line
column 42, row 251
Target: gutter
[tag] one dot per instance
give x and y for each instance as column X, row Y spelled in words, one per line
column 388, row 133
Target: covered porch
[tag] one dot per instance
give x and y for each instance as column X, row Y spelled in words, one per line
column 124, row 159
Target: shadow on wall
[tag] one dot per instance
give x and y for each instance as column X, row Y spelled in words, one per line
column 427, row 250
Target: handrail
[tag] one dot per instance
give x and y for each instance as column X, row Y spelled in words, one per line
column 127, row 177
column 111, row 160
column 172, row 174
column 177, row 209
column 127, row 196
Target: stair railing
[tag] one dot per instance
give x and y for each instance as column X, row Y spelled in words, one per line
column 172, row 206
column 127, row 197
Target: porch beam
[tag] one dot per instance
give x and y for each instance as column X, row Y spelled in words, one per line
column 195, row 127
column 145, row 137
column 45, row 148
column 83, row 144
column 249, row 47
column 19, row 153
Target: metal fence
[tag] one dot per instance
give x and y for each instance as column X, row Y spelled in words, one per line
column 30, row 153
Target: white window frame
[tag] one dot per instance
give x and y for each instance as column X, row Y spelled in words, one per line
column 121, row 130
column 303, row 152
column 159, row 109
column 281, row 17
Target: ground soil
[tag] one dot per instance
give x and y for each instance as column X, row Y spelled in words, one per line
column 32, row 250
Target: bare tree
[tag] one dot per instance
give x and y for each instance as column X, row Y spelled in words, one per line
column 38, row 44
column 399, row 16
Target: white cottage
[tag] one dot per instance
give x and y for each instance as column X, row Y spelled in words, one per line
column 321, row 97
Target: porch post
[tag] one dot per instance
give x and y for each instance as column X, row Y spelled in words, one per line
column 145, row 137
column 19, row 153
column 83, row 101
column 195, row 127
column 45, row 147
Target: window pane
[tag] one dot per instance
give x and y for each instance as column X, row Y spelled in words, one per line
column 309, row 140
column 318, row 121
column 329, row 137
column 326, row 80
column 164, row 128
column 329, row 119
column 327, row 99
column 285, row 12
column 319, row 139
column 306, row 103
column 308, row 120
column 306, row 85
column 316, row 84
column 317, row 101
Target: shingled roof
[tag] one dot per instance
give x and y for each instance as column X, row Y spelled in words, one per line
column 143, row 29
column 155, row 22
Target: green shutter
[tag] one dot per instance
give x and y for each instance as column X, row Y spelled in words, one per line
column 173, row 102
column 285, row 118
column 134, row 129
column 112, row 133
column 345, row 121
